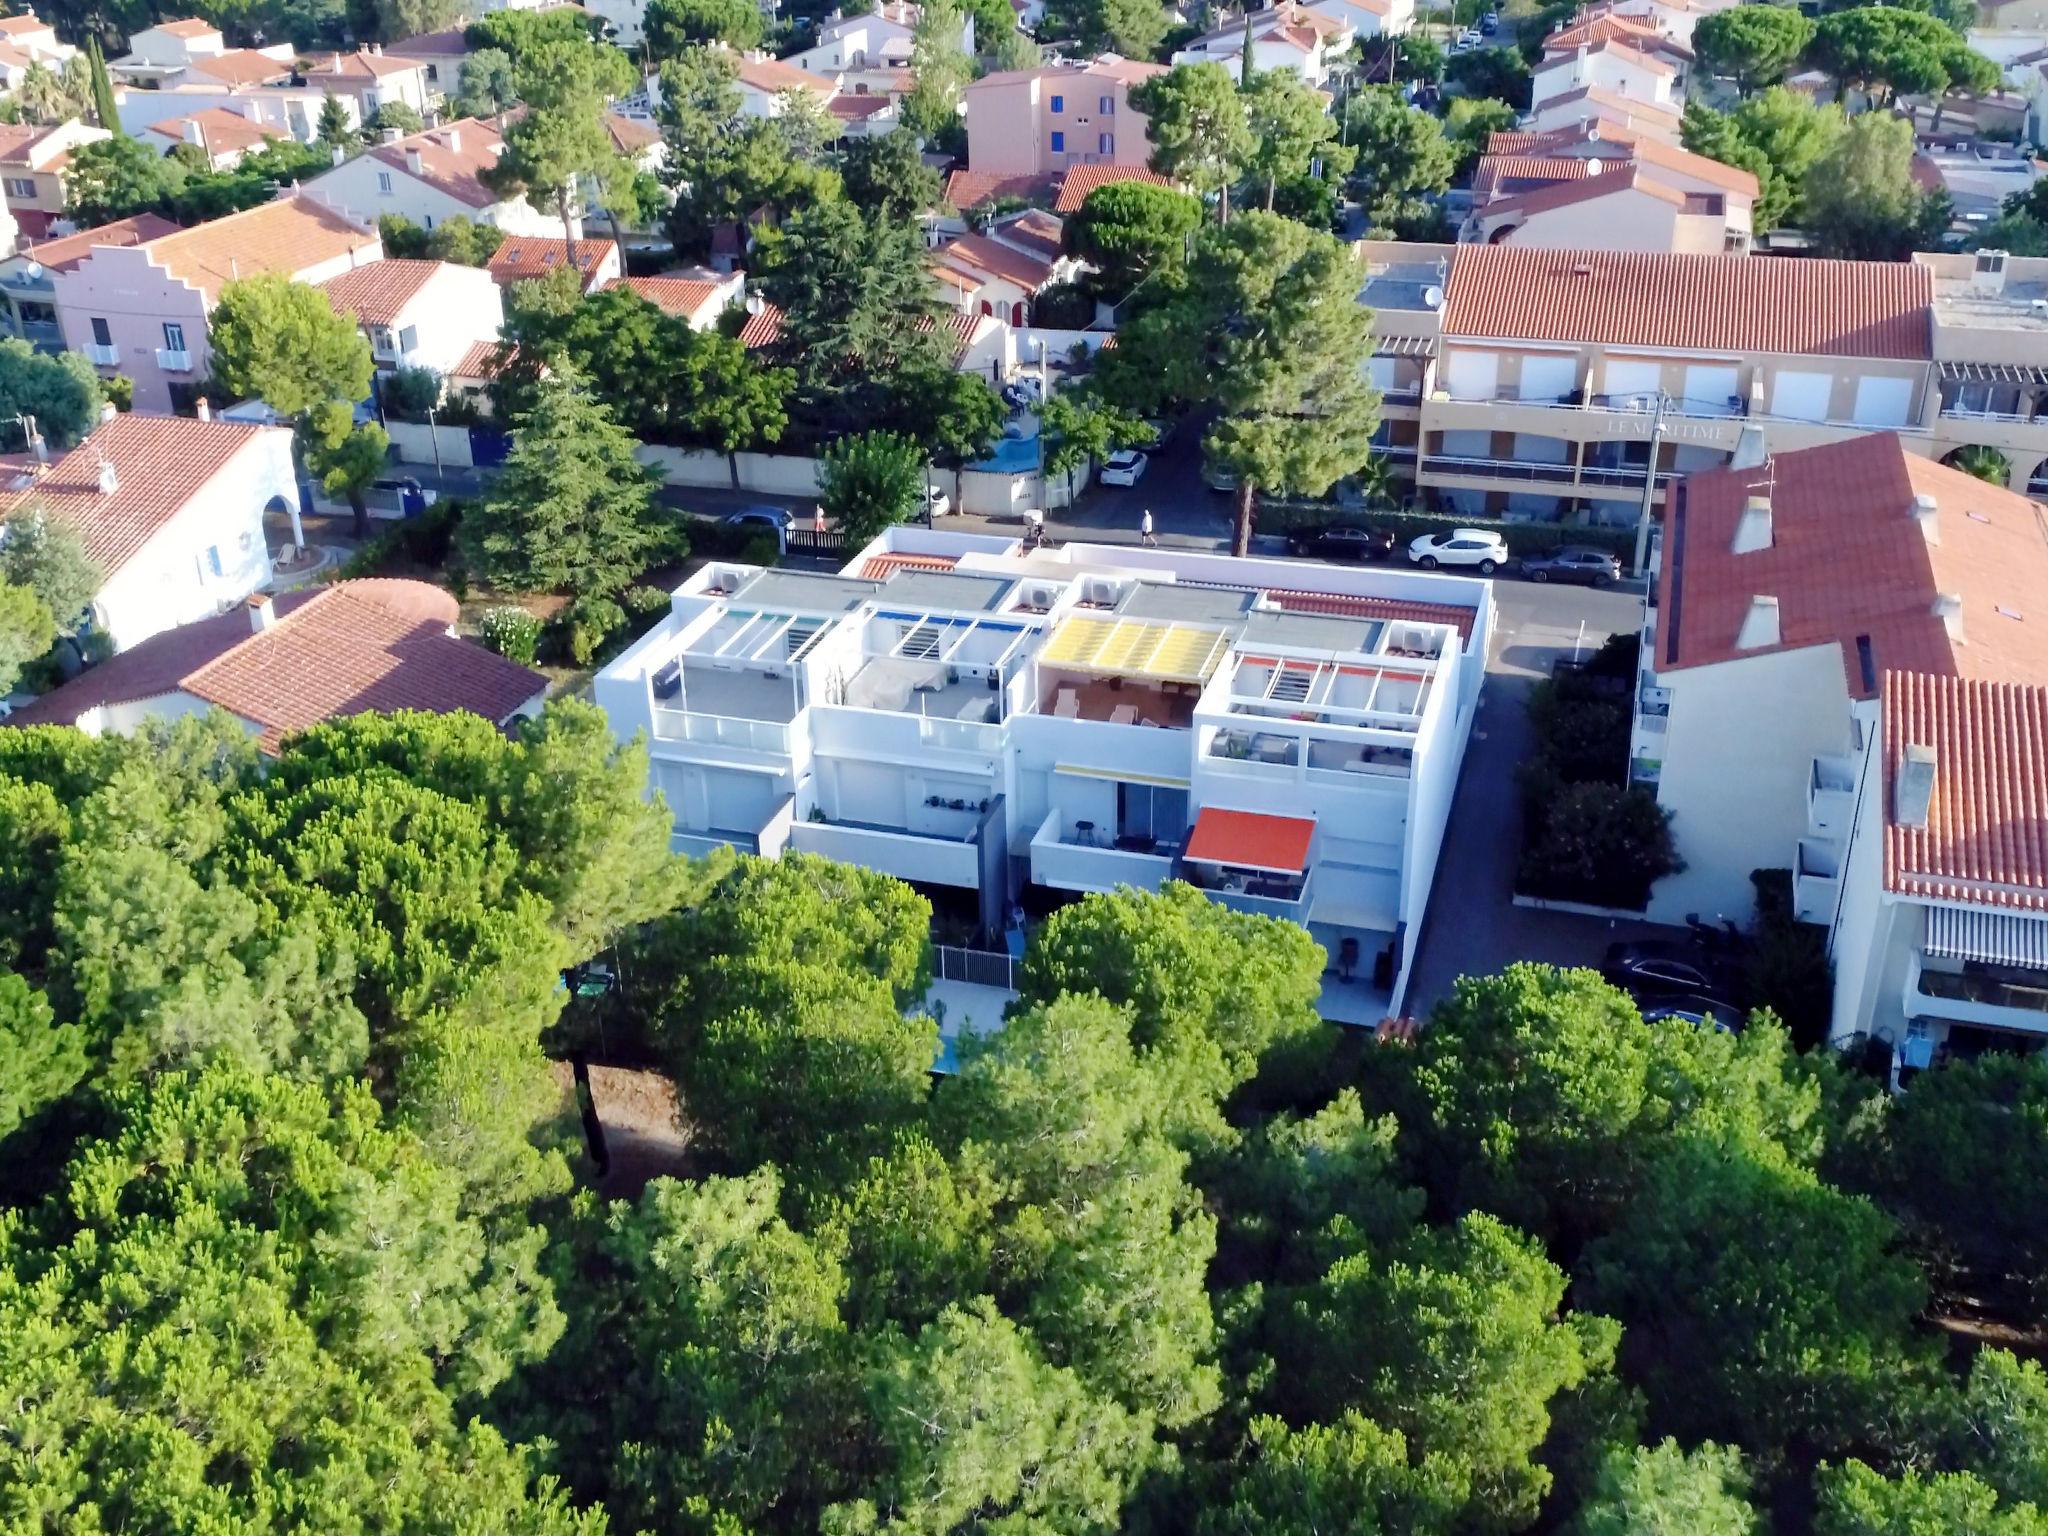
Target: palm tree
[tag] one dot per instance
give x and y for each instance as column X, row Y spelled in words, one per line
column 1986, row 463
column 41, row 95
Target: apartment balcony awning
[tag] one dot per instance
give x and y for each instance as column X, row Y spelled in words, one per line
column 1250, row 840
column 1995, row 938
column 1404, row 346
column 1995, row 373
column 1112, row 647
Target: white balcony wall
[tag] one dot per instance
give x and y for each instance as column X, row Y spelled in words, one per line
column 902, row 854
column 1071, row 867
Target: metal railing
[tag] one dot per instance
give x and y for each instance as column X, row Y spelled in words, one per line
column 722, row 730
column 1986, row 990
column 1506, row 469
column 976, row 967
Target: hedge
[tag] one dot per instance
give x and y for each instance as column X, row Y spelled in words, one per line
column 1522, row 538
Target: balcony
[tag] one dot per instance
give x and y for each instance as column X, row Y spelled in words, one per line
column 1262, row 895
column 1725, row 408
column 102, row 356
column 892, row 851
column 1830, row 797
column 1082, row 857
column 765, row 736
column 1503, row 469
column 174, row 359
column 1816, row 880
column 2016, row 1000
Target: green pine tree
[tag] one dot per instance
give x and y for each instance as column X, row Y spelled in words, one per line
column 102, row 89
column 335, row 130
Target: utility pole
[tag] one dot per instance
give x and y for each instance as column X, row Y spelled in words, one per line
column 1649, row 486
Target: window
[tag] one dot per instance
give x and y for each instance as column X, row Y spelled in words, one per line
column 384, row 183
column 380, row 340
column 102, row 335
column 174, row 336
column 1059, row 104
column 1106, row 106
column 1105, row 143
column 408, row 338
column 426, row 221
column 213, row 562
column 1059, row 142
column 21, row 186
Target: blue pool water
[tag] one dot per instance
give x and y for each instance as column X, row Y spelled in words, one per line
column 1012, row 456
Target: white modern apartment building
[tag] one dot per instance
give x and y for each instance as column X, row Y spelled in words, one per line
column 959, row 712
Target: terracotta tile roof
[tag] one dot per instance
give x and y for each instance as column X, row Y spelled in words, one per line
column 974, row 254
column 1625, row 110
column 880, row 567
column 66, row 252
column 28, row 24
column 524, row 256
column 1607, row 27
column 453, row 158
column 631, row 135
column 1514, row 173
column 1670, row 157
column 242, row 66
column 1565, row 194
column 362, row 646
column 484, row 360
column 1626, row 52
column 1709, row 303
column 1850, row 566
column 221, row 131
column 188, row 26
column 358, row 65
column 970, row 189
column 330, row 652
column 161, row 463
column 775, row 77
column 1080, row 180
column 855, row 108
column 1986, row 837
column 682, row 297
column 763, row 328
column 1343, row 605
column 289, row 235
column 16, row 139
column 378, row 291
column 1036, row 231
column 448, row 43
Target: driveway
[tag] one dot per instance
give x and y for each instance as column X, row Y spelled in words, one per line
column 1473, row 927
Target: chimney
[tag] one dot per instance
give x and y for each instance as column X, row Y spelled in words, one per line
column 454, row 140
column 1753, row 528
column 1760, row 625
column 204, row 408
column 414, row 162
column 108, row 411
column 1913, row 788
column 1948, row 607
column 1926, row 514
column 262, row 612
column 193, row 134
column 109, row 481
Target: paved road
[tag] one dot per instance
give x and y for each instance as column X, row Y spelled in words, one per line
column 1473, row 927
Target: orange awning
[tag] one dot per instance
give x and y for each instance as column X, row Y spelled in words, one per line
column 1249, row 840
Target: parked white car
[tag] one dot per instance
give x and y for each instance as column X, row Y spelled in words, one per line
column 1124, row 467
column 936, row 501
column 1461, row 546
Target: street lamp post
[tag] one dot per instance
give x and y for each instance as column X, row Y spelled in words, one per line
column 1642, row 561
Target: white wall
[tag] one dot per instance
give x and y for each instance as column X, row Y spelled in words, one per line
column 355, row 189
column 169, row 581
column 1738, row 753
column 459, row 307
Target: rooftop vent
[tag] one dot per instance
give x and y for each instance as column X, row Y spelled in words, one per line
column 1913, row 789
column 1760, row 626
column 262, row 612
column 1989, row 274
column 1753, row 528
column 1927, row 517
column 415, row 162
column 1948, row 607
column 110, row 482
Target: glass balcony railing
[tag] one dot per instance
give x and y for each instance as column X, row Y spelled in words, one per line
column 1988, row 991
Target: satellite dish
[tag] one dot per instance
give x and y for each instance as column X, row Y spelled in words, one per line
column 1595, row 165
column 1433, row 296
column 35, row 271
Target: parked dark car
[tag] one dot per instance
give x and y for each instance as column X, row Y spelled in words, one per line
column 1593, row 567
column 1700, row 1012
column 1342, row 541
column 777, row 520
column 1659, row 969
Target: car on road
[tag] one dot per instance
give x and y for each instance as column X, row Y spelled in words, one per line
column 1341, row 541
column 1460, row 546
column 1468, row 39
column 1700, row 1012
column 1489, row 23
column 1662, row 969
column 775, row 520
column 1164, row 430
column 1572, row 562
column 937, row 503
column 1124, row 467
column 1217, row 478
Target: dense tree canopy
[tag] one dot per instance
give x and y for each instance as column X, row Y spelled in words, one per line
column 1753, row 45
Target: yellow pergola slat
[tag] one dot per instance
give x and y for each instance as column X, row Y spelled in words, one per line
column 1174, row 653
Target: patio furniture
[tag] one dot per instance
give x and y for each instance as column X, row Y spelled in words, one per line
column 1123, row 714
column 1067, row 705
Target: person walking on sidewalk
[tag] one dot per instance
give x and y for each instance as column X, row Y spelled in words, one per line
column 1145, row 534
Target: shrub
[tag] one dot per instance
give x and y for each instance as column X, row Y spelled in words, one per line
column 513, row 633
column 410, row 393
column 761, row 549
column 643, row 603
column 1598, row 843
column 580, row 630
column 1786, row 965
column 1064, row 307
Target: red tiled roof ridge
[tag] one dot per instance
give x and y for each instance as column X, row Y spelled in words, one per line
column 1986, row 838
column 1817, row 307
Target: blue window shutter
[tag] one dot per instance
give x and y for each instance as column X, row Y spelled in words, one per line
column 1059, row 142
